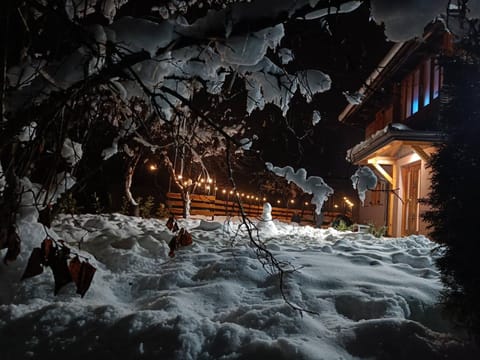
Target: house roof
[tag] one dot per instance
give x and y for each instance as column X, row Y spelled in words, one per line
column 393, row 60
column 388, row 142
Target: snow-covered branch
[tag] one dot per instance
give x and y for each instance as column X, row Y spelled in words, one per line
column 312, row 185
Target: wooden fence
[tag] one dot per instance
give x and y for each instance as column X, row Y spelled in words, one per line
column 210, row 206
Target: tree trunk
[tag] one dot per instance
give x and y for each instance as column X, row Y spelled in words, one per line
column 186, row 204
column 134, row 209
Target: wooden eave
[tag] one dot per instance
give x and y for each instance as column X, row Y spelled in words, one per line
column 389, row 145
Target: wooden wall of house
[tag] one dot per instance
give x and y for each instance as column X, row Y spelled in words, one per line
column 374, row 209
column 413, row 100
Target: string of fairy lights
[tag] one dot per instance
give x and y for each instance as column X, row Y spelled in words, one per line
column 208, row 186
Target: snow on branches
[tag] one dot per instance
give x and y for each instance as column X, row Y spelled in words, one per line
column 135, row 80
column 364, row 179
column 312, row 185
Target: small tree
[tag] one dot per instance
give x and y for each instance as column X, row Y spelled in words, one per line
column 455, row 180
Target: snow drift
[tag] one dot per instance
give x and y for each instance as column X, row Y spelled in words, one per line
column 368, row 297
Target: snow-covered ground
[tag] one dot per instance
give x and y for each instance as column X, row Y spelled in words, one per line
column 368, row 298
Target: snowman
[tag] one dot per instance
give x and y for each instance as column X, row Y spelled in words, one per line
column 266, row 224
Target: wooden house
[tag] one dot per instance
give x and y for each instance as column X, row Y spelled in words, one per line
column 399, row 112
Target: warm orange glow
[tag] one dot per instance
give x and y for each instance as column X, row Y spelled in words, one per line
column 278, row 201
column 348, row 202
column 153, row 167
column 292, row 201
column 264, row 199
column 306, row 203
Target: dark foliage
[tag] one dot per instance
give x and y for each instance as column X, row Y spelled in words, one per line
column 455, row 196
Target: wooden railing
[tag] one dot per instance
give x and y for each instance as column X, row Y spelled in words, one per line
column 210, row 206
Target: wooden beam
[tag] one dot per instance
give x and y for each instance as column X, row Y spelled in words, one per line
column 420, row 152
column 381, row 170
column 391, row 201
column 382, row 160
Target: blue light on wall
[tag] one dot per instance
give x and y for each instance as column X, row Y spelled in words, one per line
column 415, row 106
column 426, row 99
